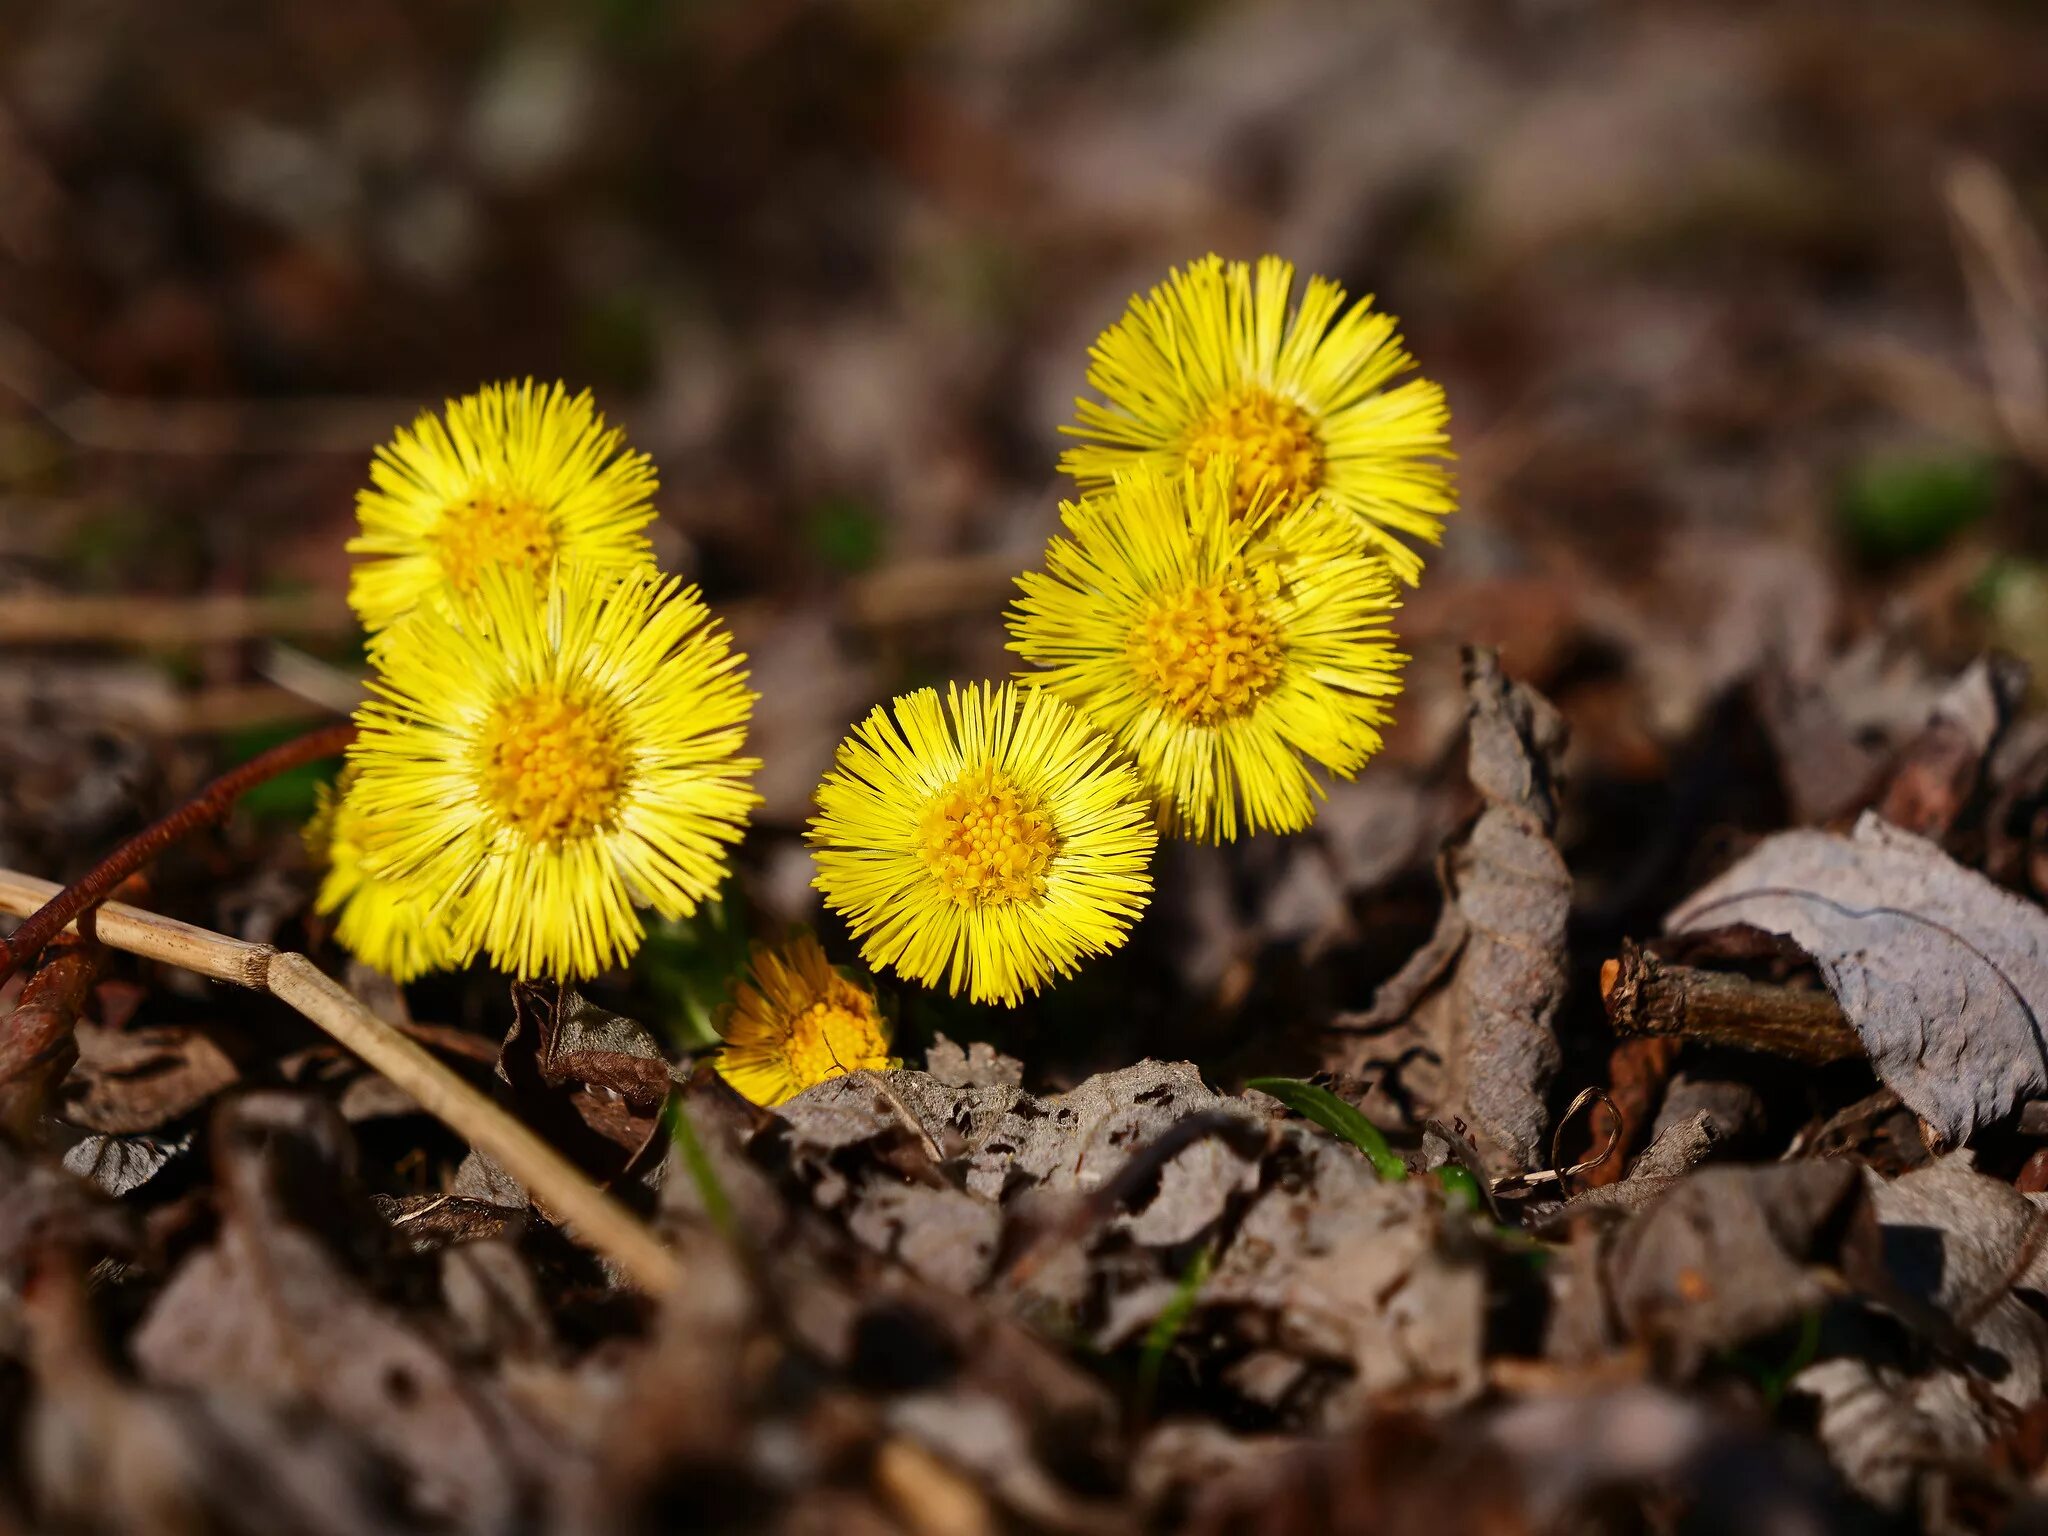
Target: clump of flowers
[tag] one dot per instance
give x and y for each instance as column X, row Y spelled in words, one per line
column 556, row 735
column 514, row 475
column 1212, row 366
column 1226, row 654
column 539, row 763
column 987, row 842
column 402, row 933
column 795, row 1022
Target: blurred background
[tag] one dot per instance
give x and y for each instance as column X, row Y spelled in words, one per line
column 1740, row 308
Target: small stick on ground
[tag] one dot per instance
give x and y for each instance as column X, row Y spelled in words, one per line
column 209, row 805
column 141, row 622
column 557, row 1185
column 1646, row 996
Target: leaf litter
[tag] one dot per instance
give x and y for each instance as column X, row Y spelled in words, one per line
column 245, row 1285
column 1139, row 1297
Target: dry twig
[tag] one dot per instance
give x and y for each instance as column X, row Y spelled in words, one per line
column 146, row 623
column 1646, row 996
column 555, row 1183
column 2006, row 271
column 210, row 804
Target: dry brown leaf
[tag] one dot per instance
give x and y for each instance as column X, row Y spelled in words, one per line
column 1943, row 975
column 130, row 1080
column 1481, row 996
column 269, row 1313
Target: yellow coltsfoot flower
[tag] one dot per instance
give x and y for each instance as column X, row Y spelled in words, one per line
column 402, row 933
column 1212, row 366
column 1225, row 654
column 796, row 1022
column 515, row 475
column 545, row 761
column 988, row 842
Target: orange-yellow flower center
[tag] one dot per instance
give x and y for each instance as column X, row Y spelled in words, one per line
column 987, row 841
column 1208, row 653
column 831, row 1039
column 1273, row 441
column 552, row 766
column 492, row 529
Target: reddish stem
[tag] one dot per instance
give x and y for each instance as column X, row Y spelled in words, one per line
column 39, row 1048
column 211, row 804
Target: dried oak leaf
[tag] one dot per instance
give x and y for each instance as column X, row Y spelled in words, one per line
column 1719, row 1257
column 120, row 1165
column 1481, row 996
column 101, row 1454
column 591, row 1080
column 1633, row 1458
column 1971, row 1250
column 130, row 1080
column 1001, row 1138
column 270, row 1313
column 1943, row 975
column 1333, row 1267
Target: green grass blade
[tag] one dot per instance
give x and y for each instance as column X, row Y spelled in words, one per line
column 1166, row 1327
column 716, row 1205
column 1336, row 1117
column 1460, row 1186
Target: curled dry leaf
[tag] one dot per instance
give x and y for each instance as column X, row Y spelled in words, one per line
column 1969, row 1249
column 1481, row 996
column 1941, row 768
column 130, row 1080
column 1943, row 975
column 1716, row 1258
column 593, row 1079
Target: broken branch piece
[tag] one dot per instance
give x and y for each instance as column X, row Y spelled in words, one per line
column 1647, row 996
column 557, row 1185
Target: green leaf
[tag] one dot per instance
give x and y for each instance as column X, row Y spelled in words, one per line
column 1336, row 1117
column 1895, row 507
column 1772, row 1380
column 717, row 1205
column 1459, row 1185
column 1167, row 1326
column 290, row 795
column 844, row 533
column 688, row 966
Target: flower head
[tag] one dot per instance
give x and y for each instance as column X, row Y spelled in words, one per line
column 989, row 842
column 403, row 934
column 1224, row 654
column 1212, row 366
column 796, row 1022
column 545, row 761
column 514, row 475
